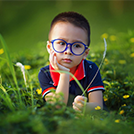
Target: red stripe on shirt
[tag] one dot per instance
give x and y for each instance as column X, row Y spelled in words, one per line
column 46, row 90
column 94, row 88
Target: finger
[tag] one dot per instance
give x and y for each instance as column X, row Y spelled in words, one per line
column 78, row 101
column 78, row 106
column 83, row 102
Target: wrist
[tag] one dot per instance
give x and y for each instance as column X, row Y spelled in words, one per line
column 64, row 76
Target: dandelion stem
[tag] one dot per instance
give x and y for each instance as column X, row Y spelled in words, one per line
column 104, row 54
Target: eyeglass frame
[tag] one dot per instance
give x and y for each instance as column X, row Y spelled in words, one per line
column 52, row 41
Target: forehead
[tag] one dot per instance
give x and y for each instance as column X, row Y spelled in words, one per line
column 68, row 31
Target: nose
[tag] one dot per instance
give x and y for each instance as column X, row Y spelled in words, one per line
column 68, row 50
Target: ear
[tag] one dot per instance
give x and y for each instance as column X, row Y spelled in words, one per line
column 86, row 53
column 48, row 46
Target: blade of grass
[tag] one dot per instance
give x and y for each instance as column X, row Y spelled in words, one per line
column 6, row 98
column 9, row 60
column 104, row 54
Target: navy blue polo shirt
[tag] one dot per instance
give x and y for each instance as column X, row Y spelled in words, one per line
column 85, row 73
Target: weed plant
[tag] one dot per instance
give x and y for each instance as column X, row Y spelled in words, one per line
column 22, row 109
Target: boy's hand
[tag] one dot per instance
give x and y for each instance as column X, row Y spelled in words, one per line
column 55, row 64
column 79, row 102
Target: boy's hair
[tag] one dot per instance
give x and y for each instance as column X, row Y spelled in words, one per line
column 75, row 19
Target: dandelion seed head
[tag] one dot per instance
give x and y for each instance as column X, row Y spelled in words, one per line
column 19, row 65
column 105, row 43
column 22, row 70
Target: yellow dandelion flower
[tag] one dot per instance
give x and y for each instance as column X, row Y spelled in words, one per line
column 105, row 99
column 1, row 51
column 123, row 105
column 121, row 112
column 27, row 67
column 97, row 108
column 117, row 121
column 106, row 61
column 132, row 40
column 105, row 35
column 132, row 55
column 112, row 38
column 126, row 96
column 122, row 61
column 39, row 91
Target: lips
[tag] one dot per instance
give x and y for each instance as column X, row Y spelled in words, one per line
column 67, row 60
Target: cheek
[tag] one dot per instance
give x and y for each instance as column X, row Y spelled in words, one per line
column 78, row 59
column 58, row 56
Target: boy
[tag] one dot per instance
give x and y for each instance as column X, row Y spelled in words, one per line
column 69, row 39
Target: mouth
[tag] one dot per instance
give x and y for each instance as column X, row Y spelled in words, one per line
column 66, row 60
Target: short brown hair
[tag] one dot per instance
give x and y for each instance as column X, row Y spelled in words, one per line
column 75, row 19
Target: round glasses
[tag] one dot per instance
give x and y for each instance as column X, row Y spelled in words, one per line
column 76, row 48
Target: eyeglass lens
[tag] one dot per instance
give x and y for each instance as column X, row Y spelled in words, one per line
column 60, row 46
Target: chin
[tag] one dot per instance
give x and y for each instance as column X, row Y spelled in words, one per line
column 66, row 65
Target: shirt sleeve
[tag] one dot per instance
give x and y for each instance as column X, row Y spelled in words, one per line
column 45, row 80
column 94, row 81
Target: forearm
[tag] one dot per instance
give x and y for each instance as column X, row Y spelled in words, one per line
column 63, row 87
column 95, row 99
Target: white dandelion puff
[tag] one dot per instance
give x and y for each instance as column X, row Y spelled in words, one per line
column 105, row 43
column 22, row 70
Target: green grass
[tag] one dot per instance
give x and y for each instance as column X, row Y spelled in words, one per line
column 25, row 111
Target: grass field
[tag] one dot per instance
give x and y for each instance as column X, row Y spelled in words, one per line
column 22, row 109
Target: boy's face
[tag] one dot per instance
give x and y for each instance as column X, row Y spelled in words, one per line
column 69, row 33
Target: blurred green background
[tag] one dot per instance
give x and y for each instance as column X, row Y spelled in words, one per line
column 24, row 24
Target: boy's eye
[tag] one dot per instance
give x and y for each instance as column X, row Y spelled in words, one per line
column 77, row 45
column 62, row 43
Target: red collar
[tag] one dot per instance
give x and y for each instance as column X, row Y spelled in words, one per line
column 79, row 73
